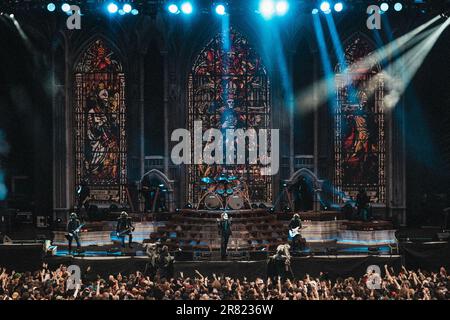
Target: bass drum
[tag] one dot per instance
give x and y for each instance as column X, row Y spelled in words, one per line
column 235, row 202
column 213, row 202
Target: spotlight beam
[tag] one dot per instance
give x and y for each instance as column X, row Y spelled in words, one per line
column 308, row 100
column 402, row 71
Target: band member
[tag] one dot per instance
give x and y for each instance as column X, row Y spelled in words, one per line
column 125, row 228
column 296, row 222
column 165, row 264
column 224, row 224
column 362, row 202
column 279, row 265
column 73, row 227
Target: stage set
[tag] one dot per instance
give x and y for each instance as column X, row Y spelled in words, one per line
column 93, row 105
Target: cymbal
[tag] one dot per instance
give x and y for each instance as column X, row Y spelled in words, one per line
column 207, row 180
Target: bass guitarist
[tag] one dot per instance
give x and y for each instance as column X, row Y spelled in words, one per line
column 125, row 228
column 73, row 231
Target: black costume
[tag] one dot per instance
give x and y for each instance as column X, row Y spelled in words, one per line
column 294, row 223
column 225, row 232
column 278, row 265
column 362, row 201
column 124, row 228
column 73, row 225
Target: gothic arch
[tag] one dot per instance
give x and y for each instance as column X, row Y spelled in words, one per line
column 160, row 176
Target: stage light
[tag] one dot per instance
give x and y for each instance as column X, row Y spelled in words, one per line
column 220, row 10
column 173, row 8
column 398, row 6
column 127, row 8
column 315, row 11
column 11, row 16
column 384, row 7
column 282, row 7
column 65, row 7
column 266, row 8
column 325, row 6
column 51, row 7
column 121, row 12
column 112, row 7
column 338, row 7
column 135, row 12
column 187, row 8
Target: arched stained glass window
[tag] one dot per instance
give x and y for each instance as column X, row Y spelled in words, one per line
column 100, row 136
column 229, row 89
column 359, row 123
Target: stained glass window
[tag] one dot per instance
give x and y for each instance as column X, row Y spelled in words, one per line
column 100, row 136
column 359, row 123
column 229, row 89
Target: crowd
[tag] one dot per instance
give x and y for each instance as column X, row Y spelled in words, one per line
column 49, row 284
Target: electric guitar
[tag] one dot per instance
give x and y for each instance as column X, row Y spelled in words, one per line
column 124, row 232
column 294, row 232
column 74, row 232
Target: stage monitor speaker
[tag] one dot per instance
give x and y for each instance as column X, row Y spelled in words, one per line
column 202, row 255
column 6, row 220
column 6, row 240
column 184, row 256
column 238, row 255
column 258, row 255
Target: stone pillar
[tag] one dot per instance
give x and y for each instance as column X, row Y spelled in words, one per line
column 141, row 116
column 316, row 204
column 166, row 115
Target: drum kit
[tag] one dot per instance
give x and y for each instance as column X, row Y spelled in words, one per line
column 223, row 192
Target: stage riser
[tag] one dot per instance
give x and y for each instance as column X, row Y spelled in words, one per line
column 322, row 231
column 142, row 232
column 376, row 237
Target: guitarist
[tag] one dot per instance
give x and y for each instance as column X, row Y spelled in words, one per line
column 73, row 229
column 125, row 228
column 296, row 223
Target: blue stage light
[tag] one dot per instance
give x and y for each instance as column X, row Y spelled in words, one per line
column 315, row 11
column 112, row 7
column 51, row 7
column 173, row 8
column 220, row 9
column 135, row 12
column 398, row 6
column 127, row 8
column 325, row 6
column 187, row 8
column 65, row 7
column 338, row 7
column 282, row 7
column 267, row 8
column 384, row 7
